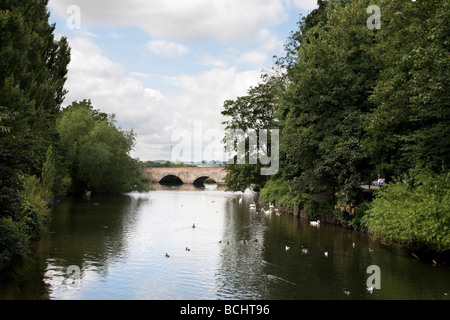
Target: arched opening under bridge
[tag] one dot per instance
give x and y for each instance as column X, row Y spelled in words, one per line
column 200, row 181
column 171, row 180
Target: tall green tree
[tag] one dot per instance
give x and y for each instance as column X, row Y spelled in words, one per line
column 411, row 124
column 248, row 115
column 322, row 110
column 33, row 68
column 98, row 151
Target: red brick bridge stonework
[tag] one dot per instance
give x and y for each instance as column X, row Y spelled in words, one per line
column 188, row 175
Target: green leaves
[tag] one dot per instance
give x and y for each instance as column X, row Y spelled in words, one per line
column 412, row 117
column 33, row 68
column 253, row 112
column 415, row 212
column 321, row 111
column 97, row 151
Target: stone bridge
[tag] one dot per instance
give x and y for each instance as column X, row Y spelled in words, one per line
column 191, row 175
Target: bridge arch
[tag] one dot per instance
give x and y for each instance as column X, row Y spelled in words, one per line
column 171, row 179
column 202, row 179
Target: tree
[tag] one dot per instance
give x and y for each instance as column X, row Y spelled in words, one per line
column 249, row 115
column 322, row 110
column 411, row 124
column 97, row 151
column 33, row 68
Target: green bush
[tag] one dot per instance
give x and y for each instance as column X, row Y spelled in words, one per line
column 13, row 241
column 36, row 201
column 415, row 213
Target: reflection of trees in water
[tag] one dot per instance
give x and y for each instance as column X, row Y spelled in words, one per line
column 90, row 234
column 241, row 270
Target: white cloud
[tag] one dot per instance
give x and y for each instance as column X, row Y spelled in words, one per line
column 255, row 58
column 153, row 116
column 269, row 41
column 167, row 48
column 211, row 60
column 222, row 20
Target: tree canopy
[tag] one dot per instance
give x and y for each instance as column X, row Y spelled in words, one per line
column 352, row 103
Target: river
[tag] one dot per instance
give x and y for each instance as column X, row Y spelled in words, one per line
column 115, row 246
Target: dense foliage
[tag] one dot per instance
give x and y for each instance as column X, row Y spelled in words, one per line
column 97, row 152
column 352, row 102
column 44, row 151
column 416, row 212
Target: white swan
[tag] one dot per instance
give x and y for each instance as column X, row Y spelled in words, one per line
column 287, row 248
column 315, row 223
column 326, row 254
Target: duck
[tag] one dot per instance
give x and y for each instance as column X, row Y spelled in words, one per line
column 271, row 206
column 286, row 248
column 187, row 249
column 370, row 250
column 304, row 250
column 347, row 292
column 370, row 289
column 325, row 254
column 353, row 245
column 315, row 223
column 193, row 226
column 167, row 256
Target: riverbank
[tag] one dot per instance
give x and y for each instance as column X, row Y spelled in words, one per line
column 318, row 207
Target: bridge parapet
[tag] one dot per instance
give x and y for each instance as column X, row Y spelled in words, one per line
column 186, row 174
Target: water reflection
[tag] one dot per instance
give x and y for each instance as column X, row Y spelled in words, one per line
column 119, row 244
column 241, row 273
column 90, row 234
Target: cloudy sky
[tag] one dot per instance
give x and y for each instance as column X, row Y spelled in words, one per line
column 165, row 67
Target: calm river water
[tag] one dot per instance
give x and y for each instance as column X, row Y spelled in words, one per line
column 114, row 247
